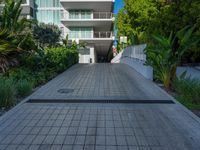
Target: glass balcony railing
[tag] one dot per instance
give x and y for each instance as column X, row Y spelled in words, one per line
column 89, row 34
column 86, row 16
column 102, row 15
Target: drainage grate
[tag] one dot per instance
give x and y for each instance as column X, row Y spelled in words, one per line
column 65, row 91
column 100, row 101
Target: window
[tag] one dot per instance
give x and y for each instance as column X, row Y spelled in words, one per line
column 47, row 3
column 48, row 16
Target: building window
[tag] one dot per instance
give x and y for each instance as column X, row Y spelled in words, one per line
column 47, row 3
column 48, row 16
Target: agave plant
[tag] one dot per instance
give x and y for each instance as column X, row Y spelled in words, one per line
column 167, row 54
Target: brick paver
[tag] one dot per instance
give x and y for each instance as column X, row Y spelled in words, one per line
column 99, row 82
column 102, row 126
column 133, row 126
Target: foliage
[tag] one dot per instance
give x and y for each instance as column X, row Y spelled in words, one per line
column 43, row 64
column 47, row 35
column 143, row 18
column 15, row 34
column 7, row 93
column 164, row 58
column 61, row 58
column 24, row 87
column 187, row 89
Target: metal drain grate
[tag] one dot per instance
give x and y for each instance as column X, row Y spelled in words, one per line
column 65, row 91
column 100, row 101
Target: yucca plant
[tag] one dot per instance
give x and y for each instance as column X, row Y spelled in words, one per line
column 166, row 54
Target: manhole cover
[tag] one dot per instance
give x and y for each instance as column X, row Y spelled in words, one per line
column 65, row 91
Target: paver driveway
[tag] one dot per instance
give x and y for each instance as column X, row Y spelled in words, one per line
column 101, row 81
column 100, row 126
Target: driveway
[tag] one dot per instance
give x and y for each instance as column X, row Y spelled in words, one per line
column 99, row 119
column 101, row 82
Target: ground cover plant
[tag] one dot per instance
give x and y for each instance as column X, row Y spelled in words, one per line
column 30, row 54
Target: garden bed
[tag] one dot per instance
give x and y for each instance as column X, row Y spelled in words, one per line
column 195, row 108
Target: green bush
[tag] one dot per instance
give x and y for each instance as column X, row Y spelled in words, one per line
column 18, row 74
column 188, row 89
column 47, row 35
column 24, row 87
column 7, row 93
column 61, row 57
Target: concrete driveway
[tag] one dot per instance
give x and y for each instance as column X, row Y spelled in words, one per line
column 52, row 121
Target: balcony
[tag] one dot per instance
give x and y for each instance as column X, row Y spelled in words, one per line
column 90, row 16
column 100, row 5
column 90, row 35
column 101, row 20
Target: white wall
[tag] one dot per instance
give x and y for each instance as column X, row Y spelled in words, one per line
column 86, row 54
column 134, row 57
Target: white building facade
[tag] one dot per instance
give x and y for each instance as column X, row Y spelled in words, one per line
column 88, row 21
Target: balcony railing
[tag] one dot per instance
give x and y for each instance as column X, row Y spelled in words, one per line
column 102, row 15
column 89, row 34
column 94, row 15
column 102, row 34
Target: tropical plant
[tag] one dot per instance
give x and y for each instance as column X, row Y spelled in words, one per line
column 165, row 55
column 15, row 34
column 47, row 35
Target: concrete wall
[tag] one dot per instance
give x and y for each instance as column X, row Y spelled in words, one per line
column 191, row 72
column 134, row 57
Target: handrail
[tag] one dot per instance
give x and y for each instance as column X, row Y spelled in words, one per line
column 94, row 15
column 90, row 34
column 134, row 52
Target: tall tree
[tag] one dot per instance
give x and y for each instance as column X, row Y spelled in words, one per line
column 144, row 18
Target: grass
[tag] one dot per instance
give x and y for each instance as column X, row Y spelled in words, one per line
column 24, row 88
column 188, row 92
column 187, row 103
column 7, row 93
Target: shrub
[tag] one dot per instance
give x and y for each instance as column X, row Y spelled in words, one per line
column 18, row 74
column 61, row 58
column 24, row 87
column 7, row 93
column 188, row 89
column 166, row 55
column 47, row 35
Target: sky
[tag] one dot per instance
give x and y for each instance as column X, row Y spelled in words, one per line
column 118, row 5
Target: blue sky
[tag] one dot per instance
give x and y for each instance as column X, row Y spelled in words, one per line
column 118, row 5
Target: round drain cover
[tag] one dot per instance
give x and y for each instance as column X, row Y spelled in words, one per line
column 65, row 91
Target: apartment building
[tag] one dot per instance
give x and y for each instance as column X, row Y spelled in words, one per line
column 88, row 21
